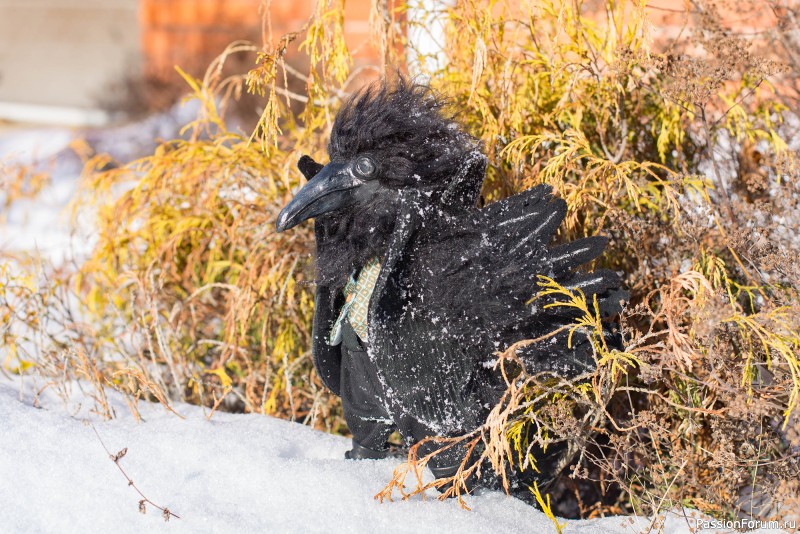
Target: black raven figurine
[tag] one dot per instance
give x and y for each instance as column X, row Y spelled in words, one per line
column 417, row 287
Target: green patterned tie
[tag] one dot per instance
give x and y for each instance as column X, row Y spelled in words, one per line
column 356, row 307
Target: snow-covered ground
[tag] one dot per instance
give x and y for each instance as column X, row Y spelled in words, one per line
column 233, row 473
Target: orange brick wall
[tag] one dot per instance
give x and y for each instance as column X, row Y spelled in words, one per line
column 190, row 33
column 669, row 17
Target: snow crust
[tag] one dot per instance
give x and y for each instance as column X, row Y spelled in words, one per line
column 233, row 473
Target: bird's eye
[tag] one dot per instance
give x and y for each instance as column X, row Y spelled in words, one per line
column 365, row 167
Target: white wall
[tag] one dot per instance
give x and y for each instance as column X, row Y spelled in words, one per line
column 58, row 55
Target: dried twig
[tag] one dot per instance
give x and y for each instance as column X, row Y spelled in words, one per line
column 166, row 513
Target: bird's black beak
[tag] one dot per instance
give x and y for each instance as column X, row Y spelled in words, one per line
column 333, row 188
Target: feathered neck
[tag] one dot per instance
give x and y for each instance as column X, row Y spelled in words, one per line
column 347, row 241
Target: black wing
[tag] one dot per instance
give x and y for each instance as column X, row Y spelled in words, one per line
column 466, row 289
column 479, row 271
column 327, row 358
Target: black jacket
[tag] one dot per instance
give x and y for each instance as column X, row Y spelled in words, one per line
column 429, row 381
column 454, row 288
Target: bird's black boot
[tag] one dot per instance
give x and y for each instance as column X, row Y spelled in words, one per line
column 359, row 452
column 364, row 409
column 446, row 465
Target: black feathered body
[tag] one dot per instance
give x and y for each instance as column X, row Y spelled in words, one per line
column 456, row 287
column 457, row 282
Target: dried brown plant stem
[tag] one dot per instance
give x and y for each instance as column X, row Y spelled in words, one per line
column 166, row 513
